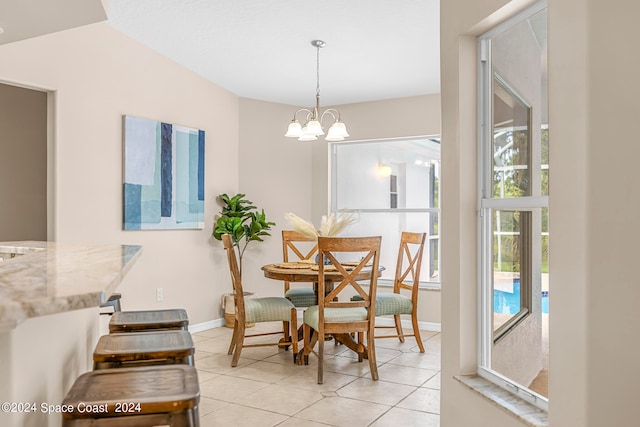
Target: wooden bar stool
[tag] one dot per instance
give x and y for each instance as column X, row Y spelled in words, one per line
column 143, row 349
column 143, row 396
column 114, row 302
column 149, row 320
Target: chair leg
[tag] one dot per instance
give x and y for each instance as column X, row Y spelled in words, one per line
column 232, row 346
column 294, row 333
column 360, row 341
column 398, row 321
column 285, row 334
column 416, row 331
column 239, row 342
column 306, row 348
column 320, row 357
column 371, row 353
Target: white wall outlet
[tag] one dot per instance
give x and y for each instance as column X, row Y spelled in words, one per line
column 159, row 294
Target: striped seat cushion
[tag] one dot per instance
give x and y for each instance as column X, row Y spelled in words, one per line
column 301, row 297
column 334, row 315
column 390, row 303
column 267, row 309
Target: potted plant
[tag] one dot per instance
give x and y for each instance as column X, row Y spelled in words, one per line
column 243, row 222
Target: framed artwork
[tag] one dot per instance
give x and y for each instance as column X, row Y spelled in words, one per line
column 163, row 176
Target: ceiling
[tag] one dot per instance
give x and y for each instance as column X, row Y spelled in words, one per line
column 260, row 49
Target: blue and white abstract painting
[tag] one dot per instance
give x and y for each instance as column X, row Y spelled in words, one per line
column 163, row 176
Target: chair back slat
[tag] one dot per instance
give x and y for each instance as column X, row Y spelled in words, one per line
column 410, row 251
column 330, row 248
column 289, row 240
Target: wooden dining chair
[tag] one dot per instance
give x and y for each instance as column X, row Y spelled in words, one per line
column 344, row 318
column 255, row 310
column 292, row 251
column 407, row 277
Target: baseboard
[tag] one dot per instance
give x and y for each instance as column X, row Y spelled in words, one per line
column 206, row 325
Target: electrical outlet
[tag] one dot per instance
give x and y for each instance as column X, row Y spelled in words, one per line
column 159, row 294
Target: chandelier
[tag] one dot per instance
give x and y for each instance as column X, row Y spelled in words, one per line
column 312, row 127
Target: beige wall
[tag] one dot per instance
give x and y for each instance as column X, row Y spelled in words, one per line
column 593, row 93
column 595, row 64
column 96, row 75
column 23, row 164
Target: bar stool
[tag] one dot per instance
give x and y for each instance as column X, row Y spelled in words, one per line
column 143, row 396
column 113, row 301
column 148, row 320
column 143, row 349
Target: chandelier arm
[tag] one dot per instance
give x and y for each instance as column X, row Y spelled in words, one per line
column 306, row 110
column 333, row 112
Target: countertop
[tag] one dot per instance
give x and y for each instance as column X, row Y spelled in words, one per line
column 48, row 277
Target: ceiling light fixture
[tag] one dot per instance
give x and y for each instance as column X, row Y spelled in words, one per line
column 312, row 127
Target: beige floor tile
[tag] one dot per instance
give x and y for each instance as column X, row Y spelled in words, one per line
column 241, row 416
column 406, row 375
column 299, row 422
column 343, row 412
column 347, row 365
column 209, row 405
column 382, row 354
column 308, row 380
column 381, row 392
column 423, row 399
column 206, row 375
column 280, row 399
column 220, row 363
column 282, row 357
column 406, row 417
column 229, row 389
column 433, row 383
column 418, row 360
column 263, row 371
column 215, row 333
column 218, row 345
column 432, row 345
column 199, row 354
column 199, row 338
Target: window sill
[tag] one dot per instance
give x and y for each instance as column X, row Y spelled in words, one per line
column 524, row 411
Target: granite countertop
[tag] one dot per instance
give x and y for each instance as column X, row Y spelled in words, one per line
column 47, row 277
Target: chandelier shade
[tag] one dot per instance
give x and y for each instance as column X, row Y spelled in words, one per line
column 312, row 127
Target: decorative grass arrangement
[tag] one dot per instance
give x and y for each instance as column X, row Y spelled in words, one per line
column 330, row 225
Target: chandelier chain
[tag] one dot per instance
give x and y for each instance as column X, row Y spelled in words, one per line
column 317, row 70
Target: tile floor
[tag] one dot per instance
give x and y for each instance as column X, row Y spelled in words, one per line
column 267, row 389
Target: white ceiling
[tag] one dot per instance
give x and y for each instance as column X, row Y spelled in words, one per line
column 260, row 49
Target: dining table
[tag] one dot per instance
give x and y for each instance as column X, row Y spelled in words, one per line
column 308, row 272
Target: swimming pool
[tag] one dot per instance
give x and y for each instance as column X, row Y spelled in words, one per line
column 509, row 302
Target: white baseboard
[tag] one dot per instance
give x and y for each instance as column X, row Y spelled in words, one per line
column 216, row 323
column 382, row 321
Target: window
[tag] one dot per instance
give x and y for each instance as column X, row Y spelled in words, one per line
column 513, row 202
column 394, row 185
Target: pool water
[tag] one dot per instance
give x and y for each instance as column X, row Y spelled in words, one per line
column 509, row 303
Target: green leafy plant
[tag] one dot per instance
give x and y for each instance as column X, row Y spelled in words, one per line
column 243, row 221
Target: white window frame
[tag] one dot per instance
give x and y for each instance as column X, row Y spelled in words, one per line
column 486, row 205
column 333, row 202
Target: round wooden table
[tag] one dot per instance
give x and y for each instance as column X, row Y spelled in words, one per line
column 309, row 275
